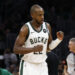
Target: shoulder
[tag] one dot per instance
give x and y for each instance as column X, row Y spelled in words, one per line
column 24, row 27
column 48, row 25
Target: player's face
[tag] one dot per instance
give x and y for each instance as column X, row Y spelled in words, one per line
column 38, row 15
column 71, row 46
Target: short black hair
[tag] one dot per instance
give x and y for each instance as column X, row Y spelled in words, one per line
column 34, row 7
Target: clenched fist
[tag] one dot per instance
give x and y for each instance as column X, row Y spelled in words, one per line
column 60, row 35
column 38, row 48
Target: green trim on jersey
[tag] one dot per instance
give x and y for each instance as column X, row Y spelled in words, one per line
column 20, row 56
column 21, row 70
column 28, row 32
column 47, row 28
column 35, row 29
column 46, row 25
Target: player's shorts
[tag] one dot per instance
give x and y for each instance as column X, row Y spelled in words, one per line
column 33, row 69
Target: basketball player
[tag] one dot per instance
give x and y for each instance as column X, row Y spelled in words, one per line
column 33, row 42
column 70, row 68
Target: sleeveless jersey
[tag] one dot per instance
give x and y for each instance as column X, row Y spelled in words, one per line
column 36, row 38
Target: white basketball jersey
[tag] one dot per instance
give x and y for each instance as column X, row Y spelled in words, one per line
column 36, row 38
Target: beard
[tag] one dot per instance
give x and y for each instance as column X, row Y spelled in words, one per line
column 39, row 23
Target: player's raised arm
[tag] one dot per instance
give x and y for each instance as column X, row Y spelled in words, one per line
column 20, row 41
column 54, row 43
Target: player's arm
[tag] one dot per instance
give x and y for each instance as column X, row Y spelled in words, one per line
column 54, row 43
column 57, row 41
column 65, row 69
column 21, row 38
column 50, row 36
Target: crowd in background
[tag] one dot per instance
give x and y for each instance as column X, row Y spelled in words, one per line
column 14, row 13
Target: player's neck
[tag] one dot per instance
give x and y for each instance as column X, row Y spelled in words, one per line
column 73, row 52
column 35, row 24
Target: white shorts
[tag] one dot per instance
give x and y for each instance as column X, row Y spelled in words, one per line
column 33, row 69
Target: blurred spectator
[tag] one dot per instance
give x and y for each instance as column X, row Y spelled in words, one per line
column 3, row 71
column 60, row 68
column 14, row 69
column 10, row 58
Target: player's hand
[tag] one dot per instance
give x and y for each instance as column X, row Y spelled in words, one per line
column 60, row 35
column 38, row 48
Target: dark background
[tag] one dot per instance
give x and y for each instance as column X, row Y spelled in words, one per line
column 59, row 13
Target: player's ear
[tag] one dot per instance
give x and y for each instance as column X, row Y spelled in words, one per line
column 32, row 15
